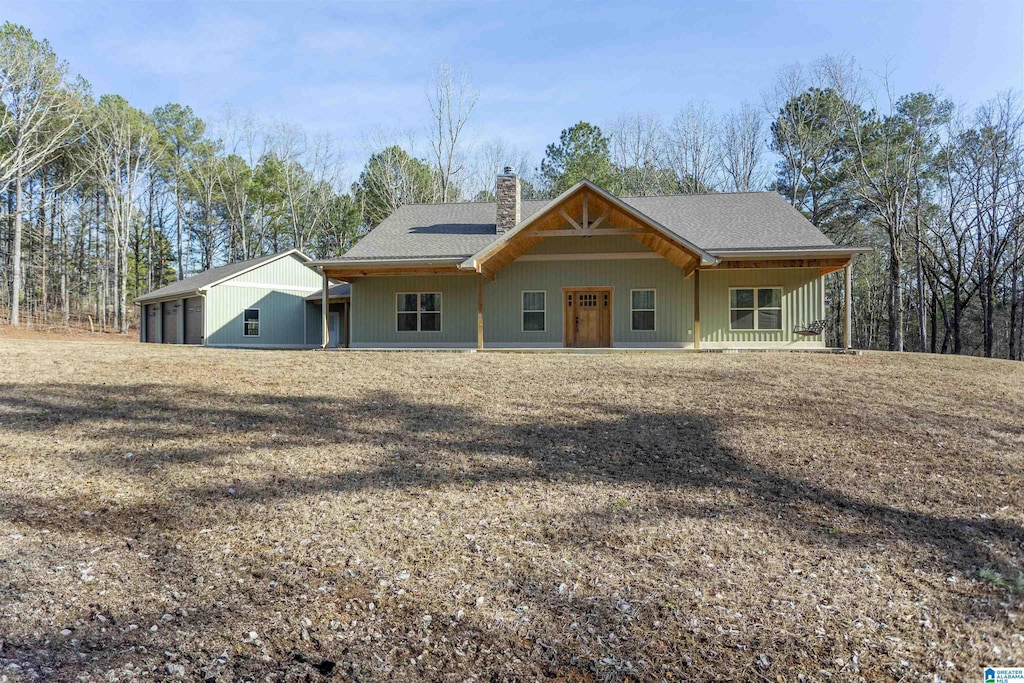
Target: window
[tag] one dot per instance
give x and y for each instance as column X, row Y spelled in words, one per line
column 755, row 308
column 251, row 322
column 534, row 311
column 418, row 311
column 641, row 310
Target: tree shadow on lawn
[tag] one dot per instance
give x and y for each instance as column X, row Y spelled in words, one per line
column 419, row 445
column 587, row 443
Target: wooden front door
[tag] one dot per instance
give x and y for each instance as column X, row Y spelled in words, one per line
column 588, row 317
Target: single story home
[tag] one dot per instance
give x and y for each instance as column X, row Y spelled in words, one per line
column 589, row 269
column 271, row 301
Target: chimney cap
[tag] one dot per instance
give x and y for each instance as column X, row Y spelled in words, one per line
column 509, row 170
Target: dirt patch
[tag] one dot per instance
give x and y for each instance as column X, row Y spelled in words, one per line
column 227, row 515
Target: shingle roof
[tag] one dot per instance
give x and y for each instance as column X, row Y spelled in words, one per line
column 744, row 220
column 342, row 290
column 212, row 276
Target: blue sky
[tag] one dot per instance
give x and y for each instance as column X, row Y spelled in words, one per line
column 539, row 67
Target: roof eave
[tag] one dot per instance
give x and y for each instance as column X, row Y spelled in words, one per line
column 798, row 252
column 149, row 299
column 386, row 263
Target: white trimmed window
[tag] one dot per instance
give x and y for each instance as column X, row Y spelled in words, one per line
column 251, row 322
column 641, row 310
column 535, row 311
column 755, row 308
column 418, row 311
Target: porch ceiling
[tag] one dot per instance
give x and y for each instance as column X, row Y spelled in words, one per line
column 347, row 273
column 824, row 265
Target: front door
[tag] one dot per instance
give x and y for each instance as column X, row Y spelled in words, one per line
column 333, row 328
column 588, row 317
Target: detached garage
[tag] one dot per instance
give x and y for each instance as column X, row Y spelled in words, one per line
column 259, row 303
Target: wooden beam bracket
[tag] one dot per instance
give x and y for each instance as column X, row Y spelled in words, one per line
column 572, row 232
column 600, row 219
column 584, row 221
column 570, row 220
column 485, row 271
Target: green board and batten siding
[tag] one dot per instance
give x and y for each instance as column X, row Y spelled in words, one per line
column 674, row 297
column 288, row 271
column 282, row 317
column 374, row 307
column 374, row 315
column 278, row 289
column 801, row 305
column 674, row 294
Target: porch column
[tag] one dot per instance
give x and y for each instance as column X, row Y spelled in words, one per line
column 848, row 305
column 479, row 311
column 348, row 305
column 325, row 334
column 696, row 309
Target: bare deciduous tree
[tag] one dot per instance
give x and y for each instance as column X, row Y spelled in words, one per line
column 311, row 170
column 39, row 109
column 204, row 188
column 640, row 153
column 884, row 159
column 451, row 98
column 992, row 154
column 489, row 160
column 693, row 148
column 120, row 157
column 742, row 146
column 245, row 146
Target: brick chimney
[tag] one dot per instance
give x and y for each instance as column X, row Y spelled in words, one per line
column 509, row 200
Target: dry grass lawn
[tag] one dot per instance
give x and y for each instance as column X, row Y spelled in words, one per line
column 76, row 333
column 237, row 515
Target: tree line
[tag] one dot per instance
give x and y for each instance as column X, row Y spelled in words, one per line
column 102, row 202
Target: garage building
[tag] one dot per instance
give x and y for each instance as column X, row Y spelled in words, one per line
column 258, row 303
